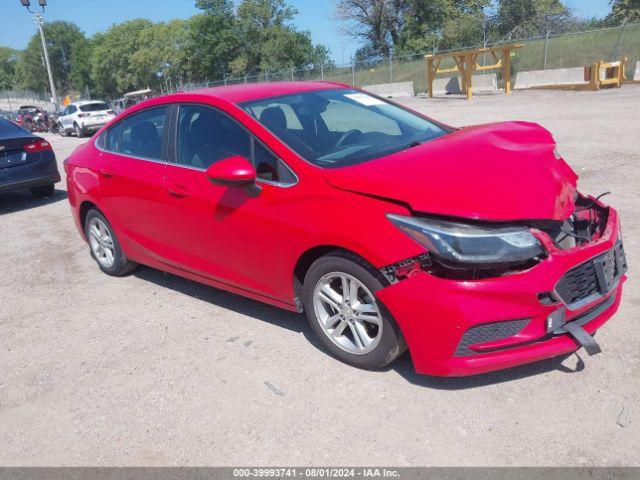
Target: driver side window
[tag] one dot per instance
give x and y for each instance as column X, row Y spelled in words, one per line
column 207, row 135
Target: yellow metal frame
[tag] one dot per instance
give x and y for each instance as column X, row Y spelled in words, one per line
column 617, row 70
column 466, row 64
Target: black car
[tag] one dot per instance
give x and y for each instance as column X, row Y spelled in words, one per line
column 26, row 161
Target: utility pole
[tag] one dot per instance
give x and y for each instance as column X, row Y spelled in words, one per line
column 39, row 19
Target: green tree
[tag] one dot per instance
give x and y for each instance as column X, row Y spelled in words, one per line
column 213, row 40
column 80, row 72
column 8, row 60
column 162, row 58
column 269, row 42
column 621, row 9
column 64, row 39
column 113, row 70
column 517, row 18
column 410, row 26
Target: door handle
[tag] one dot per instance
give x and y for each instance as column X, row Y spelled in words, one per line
column 107, row 172
column 178, row 191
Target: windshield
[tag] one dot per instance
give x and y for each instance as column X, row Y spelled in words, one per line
column 94, row 107
column 336, row 128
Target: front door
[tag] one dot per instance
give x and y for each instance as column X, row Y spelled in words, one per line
column 67, row 117
column 226, row 233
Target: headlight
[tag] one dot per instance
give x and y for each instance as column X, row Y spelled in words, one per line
column 464, row 245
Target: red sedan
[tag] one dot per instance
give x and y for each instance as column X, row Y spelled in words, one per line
column 470, row 247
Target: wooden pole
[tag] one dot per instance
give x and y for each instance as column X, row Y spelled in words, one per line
column 459, row 60
column 468, row 64
column 430, row 75
column 506, row 56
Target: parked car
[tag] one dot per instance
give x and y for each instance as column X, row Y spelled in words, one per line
column 83, row 118
column 26, row 161
column 26, row 116
column 472, row 247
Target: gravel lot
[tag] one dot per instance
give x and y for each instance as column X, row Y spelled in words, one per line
column 156, row 370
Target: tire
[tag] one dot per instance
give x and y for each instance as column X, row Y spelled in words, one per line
column 330, row 270
column 62, row 131
column 42, row 191
column 120, row 265
column 79, row 132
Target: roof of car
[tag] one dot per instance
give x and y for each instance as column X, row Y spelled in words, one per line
column 245, row 92
column 86, row 102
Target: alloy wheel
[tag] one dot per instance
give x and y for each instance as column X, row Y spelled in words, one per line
column 101, row 242
column 347, row 313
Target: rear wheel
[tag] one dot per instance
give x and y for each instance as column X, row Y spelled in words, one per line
column 42, row 191
column 79, row 131
column 105, row 248
column 342, row 309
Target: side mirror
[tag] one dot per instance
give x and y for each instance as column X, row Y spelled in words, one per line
column 233, row 171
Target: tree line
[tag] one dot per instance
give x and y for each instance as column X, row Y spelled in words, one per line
column 259, row 36
column 404, row 27
column 222, row 40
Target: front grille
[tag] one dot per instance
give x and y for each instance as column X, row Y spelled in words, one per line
column 593, row 278
column 488, row 332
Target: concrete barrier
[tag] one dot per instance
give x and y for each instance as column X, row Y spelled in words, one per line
column 479, row 83
column 550, row 78
column 15, row 103
column 391, row 90
column 636, row 74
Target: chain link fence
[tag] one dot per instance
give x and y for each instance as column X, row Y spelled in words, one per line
column 554, row 50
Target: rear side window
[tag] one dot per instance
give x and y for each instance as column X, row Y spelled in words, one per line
column 111, row 140
column 142, row 134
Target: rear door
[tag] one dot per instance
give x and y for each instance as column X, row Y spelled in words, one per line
column 132, row 170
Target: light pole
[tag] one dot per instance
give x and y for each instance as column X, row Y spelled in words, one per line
column 38, row 17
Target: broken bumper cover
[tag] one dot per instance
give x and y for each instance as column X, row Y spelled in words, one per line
column 458, row 328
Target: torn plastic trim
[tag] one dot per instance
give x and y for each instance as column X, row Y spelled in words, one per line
column 405, row 268
column 558, row 325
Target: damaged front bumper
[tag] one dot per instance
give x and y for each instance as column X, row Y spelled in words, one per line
column 466, row 327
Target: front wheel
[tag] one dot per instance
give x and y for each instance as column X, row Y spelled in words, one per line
column 105, row 248
column 343, row 311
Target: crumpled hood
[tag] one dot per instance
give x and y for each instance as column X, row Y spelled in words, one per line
column 496, row 172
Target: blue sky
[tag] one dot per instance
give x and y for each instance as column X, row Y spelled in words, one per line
column 95, row 15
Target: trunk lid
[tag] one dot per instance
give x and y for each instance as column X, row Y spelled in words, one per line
column 12, row 142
